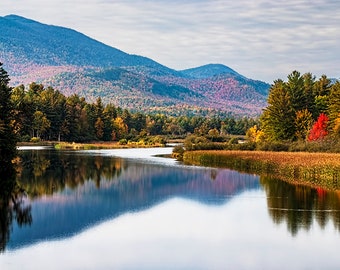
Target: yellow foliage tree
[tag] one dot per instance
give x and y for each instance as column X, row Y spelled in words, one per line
column 255, row 135
column 120, row 129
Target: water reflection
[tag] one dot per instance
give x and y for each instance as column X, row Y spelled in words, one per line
column 298, row 206
column 71, row 191
column 12, row 205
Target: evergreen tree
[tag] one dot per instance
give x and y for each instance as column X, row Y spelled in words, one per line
column 7, row 136
column 296, row 91
column 334, row 106
column 53, row 105
column 322, row 86
column 277, row 120
column 309, row 86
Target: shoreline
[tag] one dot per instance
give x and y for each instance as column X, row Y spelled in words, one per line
column 313, row 169
column 90, row 145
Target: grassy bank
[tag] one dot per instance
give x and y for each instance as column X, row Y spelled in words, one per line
column 316, row 169
column 103, row 145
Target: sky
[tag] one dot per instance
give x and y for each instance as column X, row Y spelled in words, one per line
column 260, row 39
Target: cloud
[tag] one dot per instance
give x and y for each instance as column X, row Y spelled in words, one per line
column 261, row 39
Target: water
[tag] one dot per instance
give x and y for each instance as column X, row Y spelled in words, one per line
column 127, row 209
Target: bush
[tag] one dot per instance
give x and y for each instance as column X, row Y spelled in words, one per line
column 158, row 140
column 35, row 139
column 178, row 152
column 123, row 141
column 194, row 142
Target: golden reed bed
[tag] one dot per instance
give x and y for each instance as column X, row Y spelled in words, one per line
column 318, row 169
column 284, row 158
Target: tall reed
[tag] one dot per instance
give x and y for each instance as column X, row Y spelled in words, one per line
column 317, row 169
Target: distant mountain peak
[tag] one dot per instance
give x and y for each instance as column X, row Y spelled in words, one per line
column 74, row 63
column 18, row 18
column 208, row 71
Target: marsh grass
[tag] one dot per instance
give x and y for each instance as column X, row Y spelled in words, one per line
column 104, row 145
column 316, row 169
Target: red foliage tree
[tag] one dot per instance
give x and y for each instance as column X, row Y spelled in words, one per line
column 319, row 129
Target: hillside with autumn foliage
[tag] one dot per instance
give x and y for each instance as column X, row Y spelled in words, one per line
column 76, row 64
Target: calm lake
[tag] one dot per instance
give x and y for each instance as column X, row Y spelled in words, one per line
column 129, row 209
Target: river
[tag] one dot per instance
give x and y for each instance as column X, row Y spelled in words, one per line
column 133, row 209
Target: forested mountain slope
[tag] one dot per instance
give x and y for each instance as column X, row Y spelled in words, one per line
column 76, row 64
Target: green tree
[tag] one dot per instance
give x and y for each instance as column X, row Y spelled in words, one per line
column 53, row 105
column 322, row 86
column 138, row 121
column 40, row 123
column 75, row 119
column 309, row 86
column 7, row 136
column 277, row 120
column 334, row 105
column 18, row 101
column 109, row 113
column 296, row 91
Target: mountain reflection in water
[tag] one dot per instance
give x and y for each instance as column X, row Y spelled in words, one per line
column 71, row 191
column 123, row 209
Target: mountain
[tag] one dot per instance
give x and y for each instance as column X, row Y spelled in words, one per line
column 208, row 71
column 76, row 64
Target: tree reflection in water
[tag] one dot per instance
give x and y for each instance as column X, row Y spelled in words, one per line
column 126, row 187
column 299, row 206
column 12, row 205
column 46, row 172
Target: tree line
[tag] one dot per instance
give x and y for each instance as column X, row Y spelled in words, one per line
column 301, row 109
column 47, row 114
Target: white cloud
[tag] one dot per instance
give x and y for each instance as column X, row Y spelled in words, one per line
column 261, row 39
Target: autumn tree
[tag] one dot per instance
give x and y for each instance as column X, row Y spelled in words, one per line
column 303, row 124
column 254, row 134
column 40, row 123
column 295, row 104
column 120, row 129
column 99, row 126
column 319, row 129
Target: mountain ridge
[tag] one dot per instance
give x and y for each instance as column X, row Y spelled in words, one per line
column 77, row 64
column 209, row 70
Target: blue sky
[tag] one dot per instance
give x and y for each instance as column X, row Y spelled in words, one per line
column 260, row 39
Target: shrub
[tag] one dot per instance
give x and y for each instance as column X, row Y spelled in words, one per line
column 123, row 141
column 35, row 139
column 194, row 142
column 178, row 152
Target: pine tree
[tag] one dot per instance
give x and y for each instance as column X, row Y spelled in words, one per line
column 296, row 90
column 7, row 136
column 277, row 120
column 334, row 103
